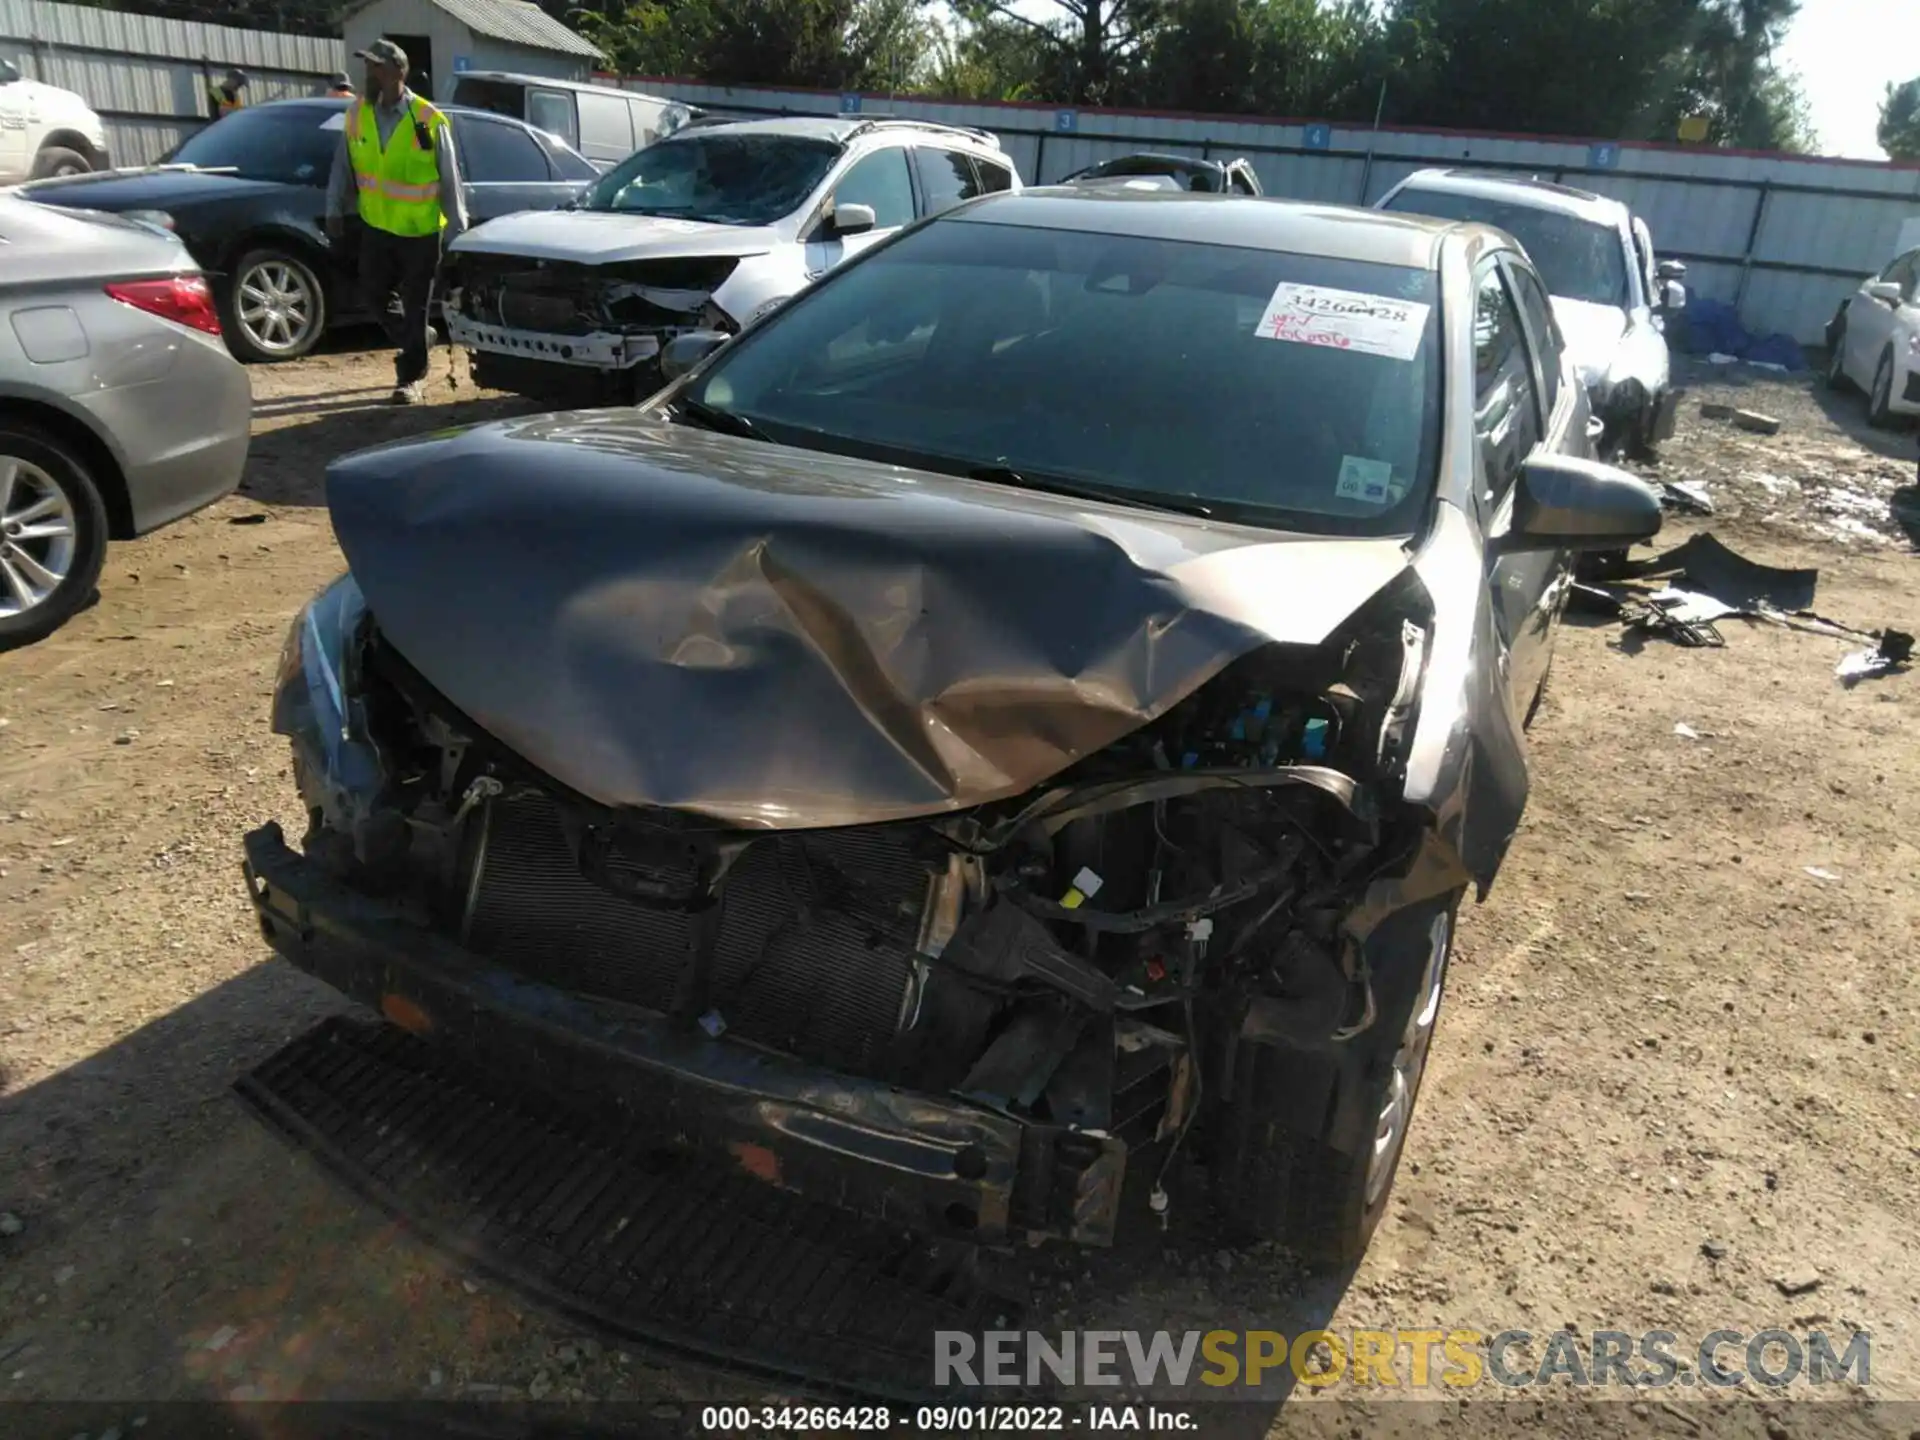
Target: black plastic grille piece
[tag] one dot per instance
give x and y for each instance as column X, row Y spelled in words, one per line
column 653, row 1246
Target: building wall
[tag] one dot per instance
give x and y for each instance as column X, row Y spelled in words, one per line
column 452, row 42
column 146, row 77
column 1782, row 238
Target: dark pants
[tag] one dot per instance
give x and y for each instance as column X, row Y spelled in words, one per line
column 406, row 263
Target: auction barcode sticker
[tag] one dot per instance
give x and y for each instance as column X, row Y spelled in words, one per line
column 1344, row 320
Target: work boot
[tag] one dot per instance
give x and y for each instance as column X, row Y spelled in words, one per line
column 409, row 394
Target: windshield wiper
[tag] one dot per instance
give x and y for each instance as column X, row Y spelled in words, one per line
column 1118, row 494
column 697, row 412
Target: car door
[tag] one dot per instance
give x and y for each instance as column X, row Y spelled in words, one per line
column 606, row 126
column 1510, row 423
column 879, row 179
column 16, row 159
column 1870, row 322
column 505, row 169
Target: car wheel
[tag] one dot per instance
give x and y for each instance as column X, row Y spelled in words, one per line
column 1277, row 1172
column 275, row 307
column 1880, row 398
column 58, row 160
column 1836, row 363
column 53, row 534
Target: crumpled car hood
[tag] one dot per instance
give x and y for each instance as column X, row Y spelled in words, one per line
column 1592, row 332
column 777, row 638
column 596, row 238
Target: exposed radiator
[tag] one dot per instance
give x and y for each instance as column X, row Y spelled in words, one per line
column 817, row 935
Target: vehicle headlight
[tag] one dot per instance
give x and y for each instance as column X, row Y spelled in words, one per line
column 314, row 692
column 673, row 117
column 152, row 219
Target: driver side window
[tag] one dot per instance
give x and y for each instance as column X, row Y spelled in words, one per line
column 1506, row 410
column 879, row 180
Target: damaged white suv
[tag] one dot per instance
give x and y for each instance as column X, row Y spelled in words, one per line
column 704, row 231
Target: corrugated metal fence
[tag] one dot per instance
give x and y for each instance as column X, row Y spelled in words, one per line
column 147, row 77
column 1781, row 239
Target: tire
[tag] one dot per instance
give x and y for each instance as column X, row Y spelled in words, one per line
column 273, row 306
column 1836, row 370
column 44, row 484
column 59, row 160
column 1880, row 398
column 1294, row 1137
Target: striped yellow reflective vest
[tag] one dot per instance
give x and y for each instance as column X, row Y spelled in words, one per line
column 399, row 186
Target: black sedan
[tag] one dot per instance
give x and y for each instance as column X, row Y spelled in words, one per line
column 1036, row 700
column 248, row 196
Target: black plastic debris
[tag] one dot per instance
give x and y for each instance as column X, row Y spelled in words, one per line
column 1710, row 568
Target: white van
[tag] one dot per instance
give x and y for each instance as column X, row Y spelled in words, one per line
column 604, row 124
column 45, row 130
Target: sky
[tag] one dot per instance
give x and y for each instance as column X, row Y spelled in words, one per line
column 1847, row 51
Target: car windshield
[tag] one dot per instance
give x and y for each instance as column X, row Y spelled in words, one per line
column 292, row 145
column 1273, row 388
column 1578, row 259
column 726, row 179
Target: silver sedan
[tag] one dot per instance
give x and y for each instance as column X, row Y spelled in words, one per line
column 120, row 408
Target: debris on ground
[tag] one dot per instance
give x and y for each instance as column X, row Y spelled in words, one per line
column 1686, row 731
column 1754, row 421
column 1817, row 873
column 1686, row 496
column 1706, row 582
column 1797, row 1282
column 1891, row 654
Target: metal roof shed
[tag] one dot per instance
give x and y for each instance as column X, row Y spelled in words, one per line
column 443, row 38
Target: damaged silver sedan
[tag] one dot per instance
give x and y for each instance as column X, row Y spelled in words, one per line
column 1030, row 708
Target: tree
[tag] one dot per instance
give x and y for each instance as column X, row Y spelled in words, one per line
column 815, row 44
column 1091, row 48
column 1900, row 121
column 1273, row 57
column 1626, row 68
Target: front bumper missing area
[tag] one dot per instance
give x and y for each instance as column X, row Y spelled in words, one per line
column 933, row 1164
column 601, row 350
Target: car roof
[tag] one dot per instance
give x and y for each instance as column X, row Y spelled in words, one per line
column 1520, row 190
column 1250, row 222
column 837, row 129
column 322, row 105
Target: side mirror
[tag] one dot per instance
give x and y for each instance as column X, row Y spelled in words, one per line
column 1671, row 270
column 1886, row 292
column 1561, row 502
column 9, row 72
column 682, row 353
column 1673, row 295
column 851, row 219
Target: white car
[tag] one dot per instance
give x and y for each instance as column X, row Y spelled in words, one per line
column 704, row 231
column 1875, row 342
column 45, row 130
column 1610, row 296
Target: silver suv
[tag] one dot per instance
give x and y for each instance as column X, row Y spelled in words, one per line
column 705, row 230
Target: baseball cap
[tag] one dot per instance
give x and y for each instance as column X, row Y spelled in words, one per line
column 383, row 52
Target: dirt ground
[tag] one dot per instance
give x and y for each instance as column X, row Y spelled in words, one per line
column 1663, row 1032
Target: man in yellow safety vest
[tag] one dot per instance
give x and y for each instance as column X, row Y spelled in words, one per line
column 228, row 95
column 396, row 171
